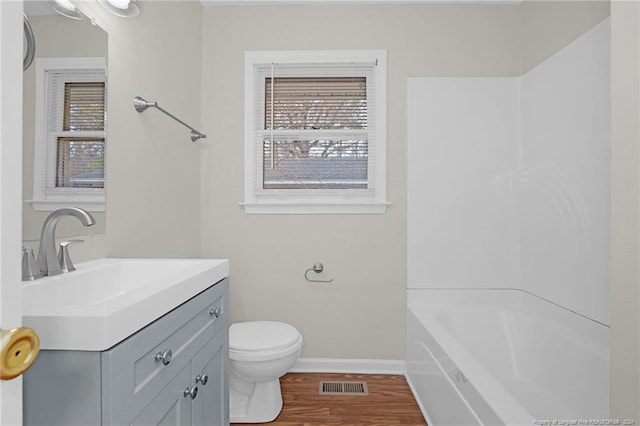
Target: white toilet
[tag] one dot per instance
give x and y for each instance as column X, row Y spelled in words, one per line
column 260, row 352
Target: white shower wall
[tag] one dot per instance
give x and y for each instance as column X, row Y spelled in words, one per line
column 508, row 179
column 564, row 191
column 461, row 222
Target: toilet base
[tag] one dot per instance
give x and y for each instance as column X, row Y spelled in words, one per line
column 260, row 404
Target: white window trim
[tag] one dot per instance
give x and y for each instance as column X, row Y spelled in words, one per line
column 89, row 199
column 314, row 201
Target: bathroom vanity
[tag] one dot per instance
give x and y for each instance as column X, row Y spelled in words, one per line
column 172, row 371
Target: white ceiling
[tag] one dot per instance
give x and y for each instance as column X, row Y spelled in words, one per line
column 266, row 2
column 39, row 7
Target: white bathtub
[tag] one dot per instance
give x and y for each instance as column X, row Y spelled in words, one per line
column 504, row 357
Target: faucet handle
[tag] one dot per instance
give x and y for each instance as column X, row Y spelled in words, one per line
column 63, row 255
column 30, row 270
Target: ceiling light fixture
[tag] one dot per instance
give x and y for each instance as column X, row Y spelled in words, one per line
column 122, row 8
column 65, row 8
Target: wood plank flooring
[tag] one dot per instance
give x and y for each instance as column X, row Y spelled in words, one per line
column 389, row 403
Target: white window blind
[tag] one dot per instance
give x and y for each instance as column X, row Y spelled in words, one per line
column 313, row 128
column 314, row 137
column 315, row 133
column 70, row 148
column 76, row 130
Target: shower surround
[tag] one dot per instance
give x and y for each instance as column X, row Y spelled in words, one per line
column 509, row 191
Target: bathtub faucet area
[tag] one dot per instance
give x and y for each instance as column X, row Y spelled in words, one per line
column 48, row 262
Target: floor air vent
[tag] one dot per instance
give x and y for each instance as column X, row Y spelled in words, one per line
column 343, row 388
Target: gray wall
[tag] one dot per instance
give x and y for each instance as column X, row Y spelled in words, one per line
column 362, row 313
column 625, row 233
column 365, row 254
column 153, row 168
column 548, row 26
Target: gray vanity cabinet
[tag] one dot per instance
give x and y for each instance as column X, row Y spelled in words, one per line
column 170, row 407
column 172, row 372
column 206, row 373
column 210, row 407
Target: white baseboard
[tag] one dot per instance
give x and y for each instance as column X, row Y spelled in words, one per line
column 349, row 366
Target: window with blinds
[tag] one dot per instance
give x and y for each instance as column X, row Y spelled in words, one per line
column 80, row 142
column 314, row 131
column 70, row 140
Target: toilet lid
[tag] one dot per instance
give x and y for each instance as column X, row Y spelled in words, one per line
column 261, row 335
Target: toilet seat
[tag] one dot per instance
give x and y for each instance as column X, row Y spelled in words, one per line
column 262, row 340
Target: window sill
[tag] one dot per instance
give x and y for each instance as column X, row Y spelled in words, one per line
column 311, row 208
column 51, row 205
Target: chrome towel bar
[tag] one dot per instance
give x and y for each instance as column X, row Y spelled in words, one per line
column 141, row 105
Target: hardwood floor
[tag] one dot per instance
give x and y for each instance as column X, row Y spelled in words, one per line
column 389, row 403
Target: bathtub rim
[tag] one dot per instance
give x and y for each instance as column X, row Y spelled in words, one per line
column 419, row 290
column 434, row 300
column 505, row 405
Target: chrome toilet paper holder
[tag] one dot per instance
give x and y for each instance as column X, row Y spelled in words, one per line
column 317, row 268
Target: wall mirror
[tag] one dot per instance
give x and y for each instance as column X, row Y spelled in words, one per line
column 57, row 38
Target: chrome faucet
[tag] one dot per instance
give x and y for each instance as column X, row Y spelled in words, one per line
column 47, row 258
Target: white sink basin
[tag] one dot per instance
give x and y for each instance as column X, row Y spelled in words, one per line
column 106, row 300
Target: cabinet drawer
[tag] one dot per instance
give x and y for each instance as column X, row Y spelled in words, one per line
column 136, row 369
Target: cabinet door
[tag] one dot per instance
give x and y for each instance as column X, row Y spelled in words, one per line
column 132, row 372
column 211, row 407
column 171, row 407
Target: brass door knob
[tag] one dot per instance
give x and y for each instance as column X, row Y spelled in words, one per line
column 20, row 348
